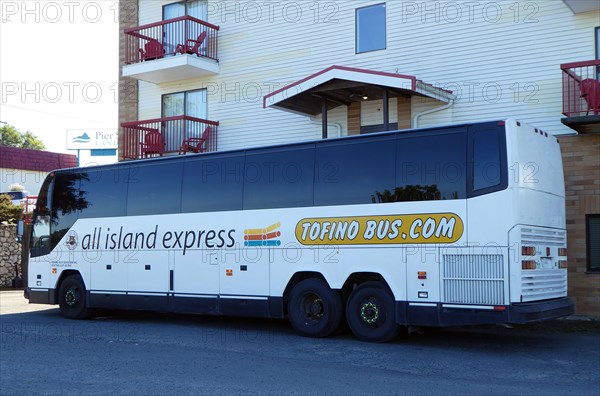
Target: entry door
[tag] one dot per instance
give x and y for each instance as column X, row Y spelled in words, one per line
column 193, row 104
column 174, row 32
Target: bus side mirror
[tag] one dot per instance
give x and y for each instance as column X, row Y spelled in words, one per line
column 20, row 228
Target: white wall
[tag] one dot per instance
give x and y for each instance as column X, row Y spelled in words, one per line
column 500, row 58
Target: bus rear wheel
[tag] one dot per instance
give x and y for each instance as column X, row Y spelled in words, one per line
column 71, row 298
column 371, row 313
column 314, row 310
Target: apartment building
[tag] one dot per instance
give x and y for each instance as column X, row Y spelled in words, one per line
column 236, row 74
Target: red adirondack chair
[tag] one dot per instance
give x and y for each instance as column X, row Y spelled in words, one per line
column 194, row 144
column 152, row 144
column 590, row 91
column 193, row 48
column 153, row 49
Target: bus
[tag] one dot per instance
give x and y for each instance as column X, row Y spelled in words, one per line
column 444, row 226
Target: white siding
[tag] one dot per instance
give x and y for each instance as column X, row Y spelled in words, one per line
column 508, row 67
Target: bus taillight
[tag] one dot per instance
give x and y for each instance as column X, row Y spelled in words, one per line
column 562, row 252
column 528, row 250
column 563, row 264
column 528, row 264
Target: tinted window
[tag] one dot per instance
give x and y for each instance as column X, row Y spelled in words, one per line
column 279, row 179
column 370, row 28
column 105, row 192
column 66, row 205
column 154, row 188
column 431, row 167
column 354, row 172
column 212, row 184
column 486, row 159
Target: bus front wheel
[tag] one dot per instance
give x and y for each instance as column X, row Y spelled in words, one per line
column 71, row 298
column 314, row 310
column 370, row 313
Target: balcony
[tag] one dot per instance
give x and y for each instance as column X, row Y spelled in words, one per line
column 171, row 50
column 581, row 96
column 174, row 132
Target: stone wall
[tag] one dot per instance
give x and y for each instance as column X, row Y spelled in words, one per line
column 10, row 255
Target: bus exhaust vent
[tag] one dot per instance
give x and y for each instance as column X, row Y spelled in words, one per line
column 543, row 285
column 548, row 237
column 473, row 279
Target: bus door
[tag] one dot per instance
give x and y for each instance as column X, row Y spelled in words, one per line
column 195, row 281
column 244, row 280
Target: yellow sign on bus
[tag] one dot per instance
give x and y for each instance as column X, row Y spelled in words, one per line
column 394, row 229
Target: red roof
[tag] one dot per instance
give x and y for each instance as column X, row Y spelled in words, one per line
column 35, row 160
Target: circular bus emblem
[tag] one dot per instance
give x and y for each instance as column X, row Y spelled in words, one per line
column 71, row 241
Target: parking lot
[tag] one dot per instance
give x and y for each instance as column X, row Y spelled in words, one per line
column 150, row 353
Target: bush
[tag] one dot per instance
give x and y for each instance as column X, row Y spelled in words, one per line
column 9, row 212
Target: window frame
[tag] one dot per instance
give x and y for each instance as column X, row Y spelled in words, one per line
column 356, row 28
column 588, row 247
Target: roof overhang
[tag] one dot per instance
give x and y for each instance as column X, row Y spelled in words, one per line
column 343, row 85
column 581, row 6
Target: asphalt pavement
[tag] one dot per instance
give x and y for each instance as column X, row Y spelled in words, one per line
column 150, row 353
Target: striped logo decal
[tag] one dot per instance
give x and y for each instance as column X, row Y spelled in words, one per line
column 268, row 236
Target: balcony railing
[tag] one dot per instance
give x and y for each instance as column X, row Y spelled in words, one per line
column 174, row 132
column 168, row 38
column 581, row 88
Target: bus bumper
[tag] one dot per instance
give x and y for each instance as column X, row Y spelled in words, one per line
column 539, row 311
column 446, row 315
column 40, row 296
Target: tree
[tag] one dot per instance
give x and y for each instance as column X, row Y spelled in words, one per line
column 9, row 212
column 11, row 136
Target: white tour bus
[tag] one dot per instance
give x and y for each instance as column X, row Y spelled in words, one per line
column 455, row 225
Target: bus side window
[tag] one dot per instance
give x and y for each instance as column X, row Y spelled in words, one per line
column 431, row 167
column 154, row 188
column 104, row 192
column 66, row 205
column 279, row 179
column 212, row 184
column 354, row 172
column 486, row 159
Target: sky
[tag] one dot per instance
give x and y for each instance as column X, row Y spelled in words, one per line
column 58, row 67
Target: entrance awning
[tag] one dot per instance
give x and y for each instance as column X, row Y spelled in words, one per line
column 342, row 85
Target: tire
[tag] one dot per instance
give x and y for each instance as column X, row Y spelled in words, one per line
column 371, row 313
column 71, row 298
column 314, row 310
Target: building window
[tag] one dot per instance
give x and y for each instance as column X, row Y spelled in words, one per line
column 593, row 242
column 197, row 8
column 190, row 103
column 370, row 28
